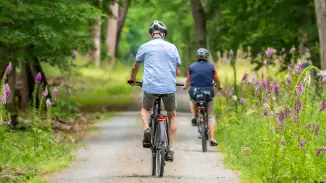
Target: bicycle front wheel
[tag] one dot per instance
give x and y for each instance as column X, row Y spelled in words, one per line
column 203, row 136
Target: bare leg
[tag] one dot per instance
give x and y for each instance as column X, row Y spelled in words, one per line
column 211, row 127
column 193, row 109
column 172, row 126
column 145, row 115
column 211, row 120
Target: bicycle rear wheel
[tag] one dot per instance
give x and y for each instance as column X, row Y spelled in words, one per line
column 203, row 136
column 153, row 163
column 160, row 162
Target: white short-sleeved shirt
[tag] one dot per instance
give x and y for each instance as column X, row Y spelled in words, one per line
column 160, row 61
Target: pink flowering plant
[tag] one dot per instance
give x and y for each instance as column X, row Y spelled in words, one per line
column 281, row 120
column 36, row 143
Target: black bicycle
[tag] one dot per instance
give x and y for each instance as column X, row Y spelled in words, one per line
column 202, row 119
column 159, row 133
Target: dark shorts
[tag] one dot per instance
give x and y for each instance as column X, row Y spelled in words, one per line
column 168, row 101
column 207, row 91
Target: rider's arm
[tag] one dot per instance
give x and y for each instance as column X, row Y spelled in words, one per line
column 178, row 71
column 178, row 61
column 187, row 84
column 140, row 57
column 217, row 81
column 134, row 70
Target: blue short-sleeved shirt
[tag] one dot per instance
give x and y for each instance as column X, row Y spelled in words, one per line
column 160, row 61
column 202, row 74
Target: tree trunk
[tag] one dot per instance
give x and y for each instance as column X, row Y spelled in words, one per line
column 96, row 36
column 26, row 83
column 111, row 38
column 200, row 23
column 121, row 20
column 320, row 6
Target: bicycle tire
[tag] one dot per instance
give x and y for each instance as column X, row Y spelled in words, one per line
column 153, row 163
column 203, row 136
column 160, row 160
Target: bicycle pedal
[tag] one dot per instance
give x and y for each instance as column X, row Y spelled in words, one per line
column 147, row 145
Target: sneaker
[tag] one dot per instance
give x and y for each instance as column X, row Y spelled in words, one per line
column 194, row 122
column 169, row 155
column 147, row 138
column 213, row 142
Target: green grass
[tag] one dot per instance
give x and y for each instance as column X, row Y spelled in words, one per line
column 95, row 87
column 252, row 143
column 88, row 101
column 24, row 163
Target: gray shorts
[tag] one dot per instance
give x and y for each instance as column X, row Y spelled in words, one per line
column 168, row 101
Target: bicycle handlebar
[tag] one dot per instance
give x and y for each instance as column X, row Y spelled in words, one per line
column 140, row 83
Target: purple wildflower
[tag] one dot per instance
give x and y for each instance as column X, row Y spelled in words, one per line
column 314, row 127
column 253, row 78
column 298, row 68
column 280, row 119
column 299, row 106
column 262, row 74
column 282, row 143
column 265, row 109
column 295, row 118
column 292, row 50
column 3, row 99
column 218, row 94
column 242, row 102
column 302, row 143
column 38, row 77
column 228, row 92
column 9, row 68
column 74, row 54
column 286, row 112
column 265, row 63
column 257, row 87
column 55, row 92
column 299, row 89
column 46, row 93
column 323, row 81
column 6, row 90
column 320, row 150
column 288, row 79
column 290, row 68
column 48, row 103
column 244, row 77
column 323, row 75
column 275, row 88
column 231, row 53
column 322, row 106
column 268, row 53
column 265, row 84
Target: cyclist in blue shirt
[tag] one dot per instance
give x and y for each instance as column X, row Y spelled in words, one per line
column 200, row 77
column 161, row 65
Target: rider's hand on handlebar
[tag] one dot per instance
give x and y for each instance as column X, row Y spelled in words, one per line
column 131, row 81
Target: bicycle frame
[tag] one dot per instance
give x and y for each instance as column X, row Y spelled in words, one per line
column 157, row 117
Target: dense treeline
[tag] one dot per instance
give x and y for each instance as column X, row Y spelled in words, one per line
column 34, row 31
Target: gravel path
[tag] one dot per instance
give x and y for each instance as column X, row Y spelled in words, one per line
column 115, row 154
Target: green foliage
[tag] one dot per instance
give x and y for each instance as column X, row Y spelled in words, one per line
column 47, row 30
column 271, row 138
column 24, row 153
column 179, row 23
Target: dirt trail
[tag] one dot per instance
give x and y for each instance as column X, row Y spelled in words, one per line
column 115, row 154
